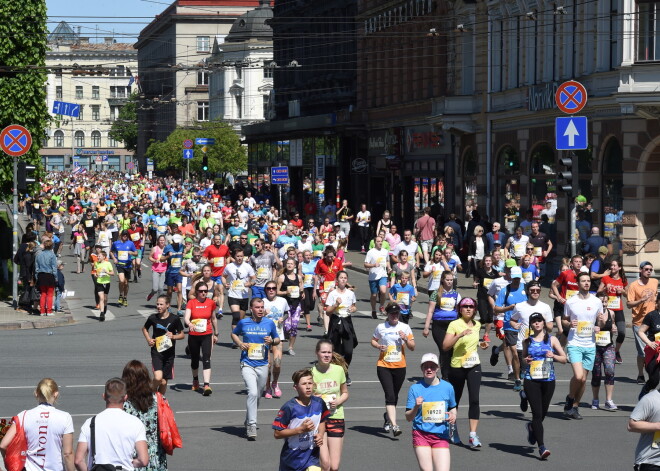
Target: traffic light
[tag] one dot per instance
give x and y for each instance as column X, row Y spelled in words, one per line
column 565, row 175
column 25, row 175
column 205, row 163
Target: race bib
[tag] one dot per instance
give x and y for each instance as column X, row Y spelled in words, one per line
column 35, row 205
column 262, row 272
column 614, row 302
column 80, row 239
column 162, row 228
column 517, row 248
column 89, row 223
column 437, row 275
column 656, row 338
column 164, row 343
column 328, row 398
column 603, row 338
column 237, row 285
column 486, row 282
column 318, row 253
column 293, row 291
column 447, row 304
column 199, row 325
column 308, row 279
column 585, row 329
column 122, row 255
column 328, row 286
column 393, row 354
column 527, row 276
column 403, row 299
column 470, row 359
column 176, row 262
column 218, row 262
column 342, row 310
column 538, row 251
column 285, row 247
column 381, row 262
column 255, row 351
column 135, row 236
column 434, row 412
column 539, row 369
column 570, row 293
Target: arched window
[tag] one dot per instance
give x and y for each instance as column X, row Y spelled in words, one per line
column 59, row 138
column 542, row 176
column 80, row 139
column 470, row 169
column 508, row 187
column 612, row 190
column 96, row 139
column 585, row 174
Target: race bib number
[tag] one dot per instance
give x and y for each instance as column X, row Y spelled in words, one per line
column 199, row 325
column 539, row 369
column 35, row 205
column 585, row 329
column 176, row 262
column 434, row 412
column 162, row 228
column 164, row 343
column 656, row 337
column 237, row 285
column 255, row 351
column 135, row 236
column 393, row 354
column 403, row 299
column 80, row 239
column 122, row 255
column 538, row 251
column 218, row 262
column 342, row 310
column 262, row 272
column 614, row 302
column 328, row 286
column 656, row 440
column 293, row 291
column 318, row 253
column 89, row 223
column 603, row 338
column 486, row 282
column 518, row 248
column 381, row 262
column 470, row 359
column 527, row 276
column 437, row 275
column 570, row 293
column 285, row 247
column 447, row 304
column 308, row 279
column 328, row 398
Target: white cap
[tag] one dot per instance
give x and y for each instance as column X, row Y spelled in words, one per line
column 584, row 269
column 177, row 238
column 432, row 357
column 516, row 272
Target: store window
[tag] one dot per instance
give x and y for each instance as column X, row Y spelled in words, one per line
column 543, row 177
column 508, row 187
column 612, row 193
column 470, row 169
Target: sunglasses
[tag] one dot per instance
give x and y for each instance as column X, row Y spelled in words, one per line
column 534, row 290
column 269, row 288
column 202, row 291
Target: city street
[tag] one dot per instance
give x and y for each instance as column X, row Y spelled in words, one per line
column 83, row 356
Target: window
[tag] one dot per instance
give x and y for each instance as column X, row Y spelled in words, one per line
column 96, row 94
column 118, row 92
column 203, row 43
column 96, row 112
column 612, row 184
column 470, row 171
column 266, row 102
column 120, row 70
column 239, row 106
column 202, row 111
column 112, row 142
column 648, row 42
column 202, row 78
column 543, row 173
column 59, row 138
column 80, row 113
column 58, row 92
column 508, row 187
column 268, row 70
column 79, row 92
column 114, row 112
column 96, row 139
column 80, row 139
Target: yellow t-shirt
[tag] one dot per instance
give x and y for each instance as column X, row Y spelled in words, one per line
column 465, row 353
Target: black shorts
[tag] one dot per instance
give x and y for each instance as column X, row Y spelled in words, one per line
column 102, row 288
column 335, row 428
column 164, row 363
column 126, row 271
column 241, row 303
column 510, row 338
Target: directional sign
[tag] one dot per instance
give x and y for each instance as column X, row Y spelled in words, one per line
column 150, row 165
column 188, row 144
column 571, row 97
column 571, row 133
column 66, row 109
column 104, row 159
column 15, row 140
column 205, row 141
column 279, row 175
column 187, row 153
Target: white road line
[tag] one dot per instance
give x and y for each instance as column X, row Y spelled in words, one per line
column 145, row 312
column 109, row 316
column 416, row 314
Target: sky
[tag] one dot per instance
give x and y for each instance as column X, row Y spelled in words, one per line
column 123, row 19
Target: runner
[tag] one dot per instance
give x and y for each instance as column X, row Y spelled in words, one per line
column 431, row 407
column 78, row 238
column 123, row 252
column 391, row 338
column 258, row 334
column 640, row 301
column 136, row 234
column 605, row 358
column 403, row 265
column 403, row 294
column 561, row 290
column 326, row 271
column 218, row 257
column 167, row 329
column 614, row 285
column 237, row 277
column 191, row 267
column 433, row 271
column 649, row 333
column 103, row 271
column 158, row 268
column 265, row 263
column 290, row 285
column 309, row 284
column 340, row 304
column 484, row 276
column 277, row 310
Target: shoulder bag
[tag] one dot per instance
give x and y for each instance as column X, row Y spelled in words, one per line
column 16, row 454
column 98, row 467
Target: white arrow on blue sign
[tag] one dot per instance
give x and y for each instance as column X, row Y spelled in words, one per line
column 187, row 153
column 279, row 175
column 66, row 109
column 204, row 141
column 571, row 133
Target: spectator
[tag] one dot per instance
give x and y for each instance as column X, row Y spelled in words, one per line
column 364, row 222
column 425, row 230
column 595, row 241
column 457, row 235
column 344, row 217
column 46, row 274
column 59, row 287
column 495, row 235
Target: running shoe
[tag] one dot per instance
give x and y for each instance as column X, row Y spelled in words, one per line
column 544, row 453
column 518, row 385
column 251, row 432
column 187, row 350
column 102, row 317
column 396, row 431
column 595, row 404
column 640, row 379
column 486, row 338
column 610, row 405
column 120, row 301
column 523, row 401
column 387, row 426
column 511, row 377
column 568, row 404
column 348, row 380
column 125, row 302
column 494, row 356
column 276, row 390
column 575, row 414
column 98, row 306
column 268, row 393
column 195, row 385
column 617, row 358
column 474, row 441
column 373, row 315
column 309, row 328
column 531, row 439
column 207, row 390
column 291, row 352
column 149, row 296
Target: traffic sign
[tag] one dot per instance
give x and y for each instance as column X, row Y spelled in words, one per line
column 279, row 175
column 130, row 165
column 15, row 140
column 205, row 149
column 187, row 153
column 104, row 159
column 571, row 133
column 571, row 97
column 204, row 141
column 188, row 144
column 66, row 109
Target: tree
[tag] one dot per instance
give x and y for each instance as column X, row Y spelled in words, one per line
column 226, row 156
column 22, row 91
column 125, row 128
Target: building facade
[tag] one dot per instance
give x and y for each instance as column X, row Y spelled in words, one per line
column 100, row 86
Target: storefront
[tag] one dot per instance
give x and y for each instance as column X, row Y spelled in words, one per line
column 90, row 159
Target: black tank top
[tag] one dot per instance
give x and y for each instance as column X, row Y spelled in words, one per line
column 285, row 287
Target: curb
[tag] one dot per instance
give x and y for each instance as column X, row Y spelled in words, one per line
column 42, row 323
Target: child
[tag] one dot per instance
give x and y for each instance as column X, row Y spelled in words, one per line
column 341, row 252
column 301, row 422
column 403, row 294
column 59, row 287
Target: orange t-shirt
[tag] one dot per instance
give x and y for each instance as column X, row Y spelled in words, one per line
column 637, row 291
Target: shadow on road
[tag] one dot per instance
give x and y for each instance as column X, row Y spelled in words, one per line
column 373, row 431
column 497, row 384
column 514, row 449
column 504, row 414
column 231, row 430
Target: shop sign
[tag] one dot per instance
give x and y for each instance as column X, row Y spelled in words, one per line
column 424, row 140
column 542, row 97
column 359, row 165
column 385, row 142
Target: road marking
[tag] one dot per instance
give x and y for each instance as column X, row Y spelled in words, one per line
column 145, row 312
column 109, row 316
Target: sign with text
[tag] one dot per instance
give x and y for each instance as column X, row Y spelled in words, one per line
column 279, row 175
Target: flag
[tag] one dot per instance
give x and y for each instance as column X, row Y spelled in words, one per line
column 131, row 81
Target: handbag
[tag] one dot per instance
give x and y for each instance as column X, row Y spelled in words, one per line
column 35, row 294
column 16, row 453
column 97, row 467
column 168, row 431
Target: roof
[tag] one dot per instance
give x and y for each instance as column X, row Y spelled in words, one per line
column 63, row 34
column 103, row 47
column 253, row 24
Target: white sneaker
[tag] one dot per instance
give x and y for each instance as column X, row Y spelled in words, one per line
column 610, row 405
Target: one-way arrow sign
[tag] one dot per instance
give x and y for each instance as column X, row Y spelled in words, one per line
column 571, row 133
column 187, row 153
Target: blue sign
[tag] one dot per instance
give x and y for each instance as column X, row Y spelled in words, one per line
column 104, row 159
column 187, row 153
column 66, row 109
column 571, row 133
column 279, row 175
column 204, row 141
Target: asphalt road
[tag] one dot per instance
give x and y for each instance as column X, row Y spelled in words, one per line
column 81, row 357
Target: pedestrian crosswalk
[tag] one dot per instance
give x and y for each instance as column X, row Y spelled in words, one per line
column 109, row 316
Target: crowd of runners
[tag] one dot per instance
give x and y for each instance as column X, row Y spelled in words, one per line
column 211, row 253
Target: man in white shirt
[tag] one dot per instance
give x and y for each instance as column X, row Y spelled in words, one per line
column 237, row 278
column 410, row 246
column 363, row 219
column 118, row 436
column 378, row 263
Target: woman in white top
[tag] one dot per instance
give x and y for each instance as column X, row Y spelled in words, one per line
column 207, row 239
column 48, row 431
column 277, row 310
column 517, row 244
column 340, row 304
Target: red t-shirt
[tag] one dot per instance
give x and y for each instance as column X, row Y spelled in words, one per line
column 203, row 312
column 568, row 284
column 327, row 273
column 217, row 258
column 297, row 222
column 615, row 303
column 137, row 239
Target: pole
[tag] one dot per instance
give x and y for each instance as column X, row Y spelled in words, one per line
column 14, row 291
column 279, row 188
column 187, row 169
column 576, row 190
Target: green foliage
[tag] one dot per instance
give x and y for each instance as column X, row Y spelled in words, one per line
column 226, row 156
column 125, row 128
column 23, row 96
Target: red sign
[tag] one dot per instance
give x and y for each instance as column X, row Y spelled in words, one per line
column 188, row 144
column 15, row 140
column 571, row 97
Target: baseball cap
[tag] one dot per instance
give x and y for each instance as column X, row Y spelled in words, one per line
column 432, row 357
column 603, row 250
column 516, row 272
column 177, row 238
column 497, row 242
column 510, row 263
column 644, row 263
column 536, row 316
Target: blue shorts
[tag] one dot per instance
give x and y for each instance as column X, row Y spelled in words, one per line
column 258, row 292
column 172, row 278
column 374, row 284
column 217, row 279
column 584, row 355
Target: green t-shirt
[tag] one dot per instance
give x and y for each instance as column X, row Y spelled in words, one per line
column 103, row 267
column 317, row 250
column 252, row 238
column 386, row 245
column 328, row 384
column 465, row 347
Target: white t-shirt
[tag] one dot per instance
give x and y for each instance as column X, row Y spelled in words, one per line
column 521, row 314
column 379, row 257
column 44, row 426
column 302, row 246
column 585, row 311
column 237, row 276
column 494, row 290
column 410, row 247
column 435, row 277
column 347, row 300
column 388, row 335
column 116, row 433
column 518, row 246
column 362, row 218
column 277, row 310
